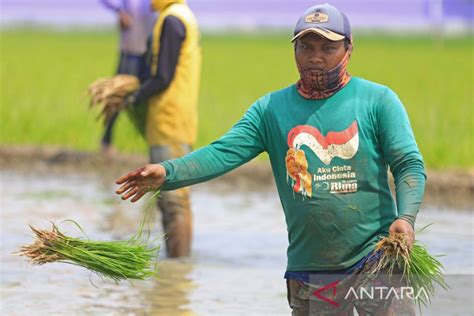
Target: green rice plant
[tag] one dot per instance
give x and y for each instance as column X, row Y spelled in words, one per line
column 132, row 259
column 420, row 270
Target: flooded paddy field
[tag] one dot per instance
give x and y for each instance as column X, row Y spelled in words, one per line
column 238, row 260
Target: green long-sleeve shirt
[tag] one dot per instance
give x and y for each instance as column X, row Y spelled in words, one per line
column 329, row 159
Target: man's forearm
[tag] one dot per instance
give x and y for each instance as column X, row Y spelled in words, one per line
column 240, row 144
column 410, row 188
column 171, row 39
column 150, row 88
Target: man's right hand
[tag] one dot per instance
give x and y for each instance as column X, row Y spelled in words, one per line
column 125, row 20
column 137, row 183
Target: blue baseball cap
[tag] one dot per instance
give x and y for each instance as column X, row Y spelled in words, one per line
column 325, row 20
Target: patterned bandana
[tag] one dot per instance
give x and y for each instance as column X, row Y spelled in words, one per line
column 317, row 84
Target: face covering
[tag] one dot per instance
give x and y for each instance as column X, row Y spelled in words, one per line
column 317, row 84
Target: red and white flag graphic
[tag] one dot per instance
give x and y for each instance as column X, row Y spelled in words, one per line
column 343, row 144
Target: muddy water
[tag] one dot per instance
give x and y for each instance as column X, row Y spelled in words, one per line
column 236, row 268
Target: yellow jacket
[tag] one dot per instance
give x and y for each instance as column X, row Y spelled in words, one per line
column 172, row 114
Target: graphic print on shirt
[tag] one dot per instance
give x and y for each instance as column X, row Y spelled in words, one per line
column 338, row 178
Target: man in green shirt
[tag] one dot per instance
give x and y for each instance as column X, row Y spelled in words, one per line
column 331, row 138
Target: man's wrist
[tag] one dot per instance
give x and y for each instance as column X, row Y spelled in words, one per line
column 408, row 219
column 164, row 170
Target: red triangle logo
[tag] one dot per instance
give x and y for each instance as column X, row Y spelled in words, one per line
column 318, row 293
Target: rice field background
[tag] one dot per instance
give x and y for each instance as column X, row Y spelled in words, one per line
column 44, row 75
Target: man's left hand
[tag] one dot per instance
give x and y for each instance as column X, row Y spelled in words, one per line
column 125, row 20
column 403, row 227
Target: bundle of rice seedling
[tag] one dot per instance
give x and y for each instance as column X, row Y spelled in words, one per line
column 109, row 94
column 420, row 269
column 134, row 258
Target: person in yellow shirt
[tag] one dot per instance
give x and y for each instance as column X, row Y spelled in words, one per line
column 136, row 20
column 171, row 96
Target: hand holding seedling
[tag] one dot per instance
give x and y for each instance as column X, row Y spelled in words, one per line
column 110, row 94
column 403, row 227
column 137, row 183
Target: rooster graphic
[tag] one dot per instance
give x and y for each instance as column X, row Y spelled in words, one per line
column 343, row 144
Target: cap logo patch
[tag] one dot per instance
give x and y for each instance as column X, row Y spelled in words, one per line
column 317, row 17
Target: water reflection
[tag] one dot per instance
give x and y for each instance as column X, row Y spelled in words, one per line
column 169, row 294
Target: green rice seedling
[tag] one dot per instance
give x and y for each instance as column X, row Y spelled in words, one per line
column 132, row 259
column 420, row 269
